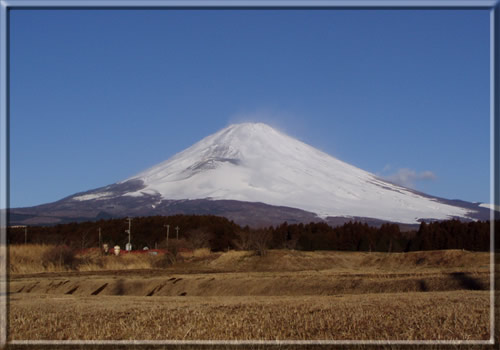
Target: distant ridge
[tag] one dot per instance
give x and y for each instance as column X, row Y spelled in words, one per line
column 254, row 174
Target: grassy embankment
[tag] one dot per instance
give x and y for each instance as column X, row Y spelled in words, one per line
column 30, row 259
column 238, row 295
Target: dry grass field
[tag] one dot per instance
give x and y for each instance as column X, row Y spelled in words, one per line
column 394, row 316
column 237, row 295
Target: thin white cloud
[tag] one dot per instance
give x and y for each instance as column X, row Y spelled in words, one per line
column 283, row 121
column 408, row 177
column 387, row 168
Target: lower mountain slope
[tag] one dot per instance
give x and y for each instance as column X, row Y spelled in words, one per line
column 254, row 175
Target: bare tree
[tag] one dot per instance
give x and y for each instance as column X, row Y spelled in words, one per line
column 199, row 238
column 243, row 240
column 175, row 247
column 84, row 239
column 258, row 240
column 291, row 243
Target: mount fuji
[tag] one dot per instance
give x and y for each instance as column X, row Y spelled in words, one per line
column 256, row 175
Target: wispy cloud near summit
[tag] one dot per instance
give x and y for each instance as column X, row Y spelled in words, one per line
column 408, row 177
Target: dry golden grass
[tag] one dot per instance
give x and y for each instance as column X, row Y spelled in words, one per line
column 37, row 258
column 30, row 258
column 201, row 253
column 348, row 262
column 237, row 295
column 26, row 259
column 123, row 262
column 459, row 315
column 302, row 283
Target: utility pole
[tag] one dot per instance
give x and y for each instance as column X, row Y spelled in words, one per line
column 84, row 237
column 100, row 241
column 168, row 229
column 129, row 245
column 177, row 229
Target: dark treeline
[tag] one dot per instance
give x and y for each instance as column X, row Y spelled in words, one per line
column 354, row 236
column 211, row 231
column 217, row 233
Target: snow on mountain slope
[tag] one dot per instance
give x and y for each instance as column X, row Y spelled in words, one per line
column 256, row 163
column 490, row 206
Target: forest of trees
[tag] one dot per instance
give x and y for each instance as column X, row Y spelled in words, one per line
column 218, row 234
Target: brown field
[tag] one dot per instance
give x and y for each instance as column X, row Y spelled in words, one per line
column 237, row 295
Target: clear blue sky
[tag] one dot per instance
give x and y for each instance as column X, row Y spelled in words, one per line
column 97, row 96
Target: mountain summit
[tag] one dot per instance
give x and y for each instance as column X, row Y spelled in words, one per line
column 255, row 163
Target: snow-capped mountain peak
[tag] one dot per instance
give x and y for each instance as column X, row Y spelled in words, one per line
column 254, row 162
